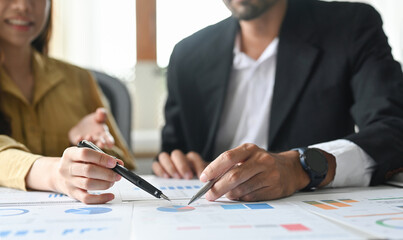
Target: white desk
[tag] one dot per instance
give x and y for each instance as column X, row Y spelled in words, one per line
column 355, row 213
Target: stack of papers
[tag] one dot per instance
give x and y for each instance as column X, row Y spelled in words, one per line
column 359, row 213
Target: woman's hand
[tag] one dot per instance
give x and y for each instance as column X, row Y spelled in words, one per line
column 93, row 128
column 75, row 173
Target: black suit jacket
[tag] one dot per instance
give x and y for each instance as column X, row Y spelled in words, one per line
column 334, row 71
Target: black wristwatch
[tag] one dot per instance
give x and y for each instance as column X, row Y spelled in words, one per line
column 315, row 164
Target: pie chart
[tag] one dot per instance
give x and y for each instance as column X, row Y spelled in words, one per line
column 12, row 212
column 176, row 208
column 88, row 210
column 396, row 223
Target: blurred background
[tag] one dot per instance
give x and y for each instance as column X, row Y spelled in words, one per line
column 132, row 40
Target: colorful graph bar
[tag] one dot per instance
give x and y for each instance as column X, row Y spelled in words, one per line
column 295, row 227
column 320, row 205
column 336, row 203
column 4, row 233
column 258, row 206
column 347, row 200
column 253, row 206
column 21, row 233
column 380, row 199
column 233, row 206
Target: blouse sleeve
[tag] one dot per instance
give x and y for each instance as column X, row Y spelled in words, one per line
column 15, row 162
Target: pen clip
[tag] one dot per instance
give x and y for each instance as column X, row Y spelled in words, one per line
column 88, row 144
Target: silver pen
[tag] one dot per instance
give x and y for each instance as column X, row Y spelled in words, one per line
column 203, row 190
column 209, row 185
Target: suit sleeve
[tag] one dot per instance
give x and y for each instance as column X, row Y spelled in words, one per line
column 172, row 133
column 377, row 88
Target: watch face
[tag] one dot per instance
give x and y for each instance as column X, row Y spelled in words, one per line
column 316, row 160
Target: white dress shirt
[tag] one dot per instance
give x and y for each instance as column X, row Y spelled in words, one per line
column 246, row 115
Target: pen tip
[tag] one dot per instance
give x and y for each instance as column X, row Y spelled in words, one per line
column 165, row 197
column 192, row 200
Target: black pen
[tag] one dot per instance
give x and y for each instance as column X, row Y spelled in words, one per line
column 130, row 176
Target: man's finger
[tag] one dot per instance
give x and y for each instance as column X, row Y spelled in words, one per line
column 230, row 180
column 159, row 171
column 265, row 193
column 198, row 163
column 167, row 164
column 246, row 188
column 227, row 160
column 181, row 164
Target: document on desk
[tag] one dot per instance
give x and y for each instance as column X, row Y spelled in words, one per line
column 9, row 197
column 225, row 219
column 173, row 188
column 65, row 221
column 378, row 211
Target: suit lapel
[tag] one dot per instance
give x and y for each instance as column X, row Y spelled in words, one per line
column 214, row 80
column 295, row 59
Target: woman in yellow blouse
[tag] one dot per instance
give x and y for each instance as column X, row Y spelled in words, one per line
column 46, row 107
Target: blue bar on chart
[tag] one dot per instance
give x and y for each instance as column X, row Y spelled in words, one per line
column 253, row 206
column 259, row 206
column 233, row 206
column 21, row 233
column 4, row 233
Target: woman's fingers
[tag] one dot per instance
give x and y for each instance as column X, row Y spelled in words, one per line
column 87, row 198
column 87, row 155
column 90, row 183
column 93, row 171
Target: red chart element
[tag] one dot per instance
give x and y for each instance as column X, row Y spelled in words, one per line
column 295, row 227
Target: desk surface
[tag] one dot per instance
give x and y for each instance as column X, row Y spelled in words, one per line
column 349, row 213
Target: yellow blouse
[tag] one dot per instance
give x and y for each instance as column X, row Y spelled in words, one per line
column 63, row 95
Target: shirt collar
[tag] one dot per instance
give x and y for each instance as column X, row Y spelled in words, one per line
column 241, row 60
column 46, row 76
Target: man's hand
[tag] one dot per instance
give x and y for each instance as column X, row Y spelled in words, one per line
column 249, row 173
column 179, row 165
column 93, row 128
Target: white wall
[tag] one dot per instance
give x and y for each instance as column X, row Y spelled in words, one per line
column 391, row 12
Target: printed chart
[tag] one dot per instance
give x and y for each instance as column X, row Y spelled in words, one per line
column 88, row 210
column 176, row 208
column 13, row 197
column 6, row 212
column 274, row 220
column 65, row 221
column 379, row 213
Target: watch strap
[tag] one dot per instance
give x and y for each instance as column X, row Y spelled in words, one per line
column 315, row 179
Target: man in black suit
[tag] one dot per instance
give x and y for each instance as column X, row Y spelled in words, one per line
column 276, row 76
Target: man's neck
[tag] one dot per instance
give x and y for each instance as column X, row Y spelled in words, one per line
column 258, row 33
